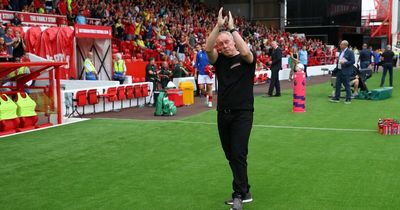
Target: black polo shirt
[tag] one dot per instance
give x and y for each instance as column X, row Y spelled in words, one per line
column 235, row 82
column 388, row 56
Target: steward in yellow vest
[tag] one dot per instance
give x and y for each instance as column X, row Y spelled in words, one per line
column 119, row 69
column 90, row 70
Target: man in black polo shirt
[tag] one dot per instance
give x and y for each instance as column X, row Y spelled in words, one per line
column 235, row 67
column 387, row 64
column 365, row 57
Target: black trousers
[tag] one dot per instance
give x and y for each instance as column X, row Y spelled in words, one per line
column 345, row 80
column 305, row 69
column 234, row 129
column 387, row 67
column 274, row 83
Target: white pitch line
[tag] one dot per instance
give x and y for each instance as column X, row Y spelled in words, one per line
column 267, row 126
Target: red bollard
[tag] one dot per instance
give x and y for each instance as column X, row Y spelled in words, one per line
column 299, row 90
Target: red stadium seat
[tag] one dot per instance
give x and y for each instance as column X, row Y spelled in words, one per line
column 145, row 91
column 110, row 95
column 136, row 80
column 80, row 101
column 121, row 94
column 138, row 91
column 93, row 98
column 129, row 94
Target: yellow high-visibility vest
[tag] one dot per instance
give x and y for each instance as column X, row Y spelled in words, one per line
column 25, row 106
column 8, row 109
column 21, row 70
column 119, row 67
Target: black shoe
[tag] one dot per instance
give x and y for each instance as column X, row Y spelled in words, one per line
column 237, row 204
column 348, row 101
column 277, row 95
column 246, row 199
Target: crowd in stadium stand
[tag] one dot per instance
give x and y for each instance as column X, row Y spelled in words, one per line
column 161, row 29
column 168, row 30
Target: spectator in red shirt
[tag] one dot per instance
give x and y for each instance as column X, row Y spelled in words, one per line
column 130, row 30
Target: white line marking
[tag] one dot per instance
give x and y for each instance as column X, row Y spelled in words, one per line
column 259, row 126
column 39, row 129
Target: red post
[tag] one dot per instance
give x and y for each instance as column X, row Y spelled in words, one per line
column 58, row 90
column 299, row 90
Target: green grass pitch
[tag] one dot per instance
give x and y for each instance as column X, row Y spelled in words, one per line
column 148, row 165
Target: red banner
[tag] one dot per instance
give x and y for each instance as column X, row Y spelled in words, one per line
column 89, row 31
column 34, row 19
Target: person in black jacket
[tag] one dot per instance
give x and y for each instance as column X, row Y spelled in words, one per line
column 276, row 65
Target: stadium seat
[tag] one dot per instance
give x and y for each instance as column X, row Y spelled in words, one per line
column 136, row 80
column 138, row 93
column 121, row 95
column 145, row 91
column 93, row 98
column 110, row 95
column 127, row 56
column 80, row 100
column 129, row 94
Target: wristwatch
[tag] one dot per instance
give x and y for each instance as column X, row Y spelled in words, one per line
column 233, row 30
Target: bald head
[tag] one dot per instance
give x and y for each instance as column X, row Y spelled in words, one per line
column 344, row 44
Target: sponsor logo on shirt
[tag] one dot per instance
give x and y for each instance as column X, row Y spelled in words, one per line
column 235, row 65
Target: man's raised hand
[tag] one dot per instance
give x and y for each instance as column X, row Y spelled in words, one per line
column 231, row 24
column 221, row 20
